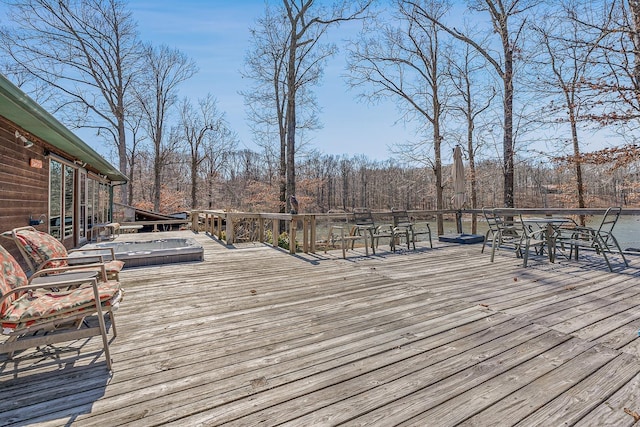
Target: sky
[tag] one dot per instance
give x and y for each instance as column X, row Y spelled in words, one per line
column 215, row 34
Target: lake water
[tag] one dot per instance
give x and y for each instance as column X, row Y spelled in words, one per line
column 626, row 231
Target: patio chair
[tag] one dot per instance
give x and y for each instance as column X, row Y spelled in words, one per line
column 504, row 231
column 404, row 225
column 345, row 234
column 492, row 222
column 364, row 223
column 34, row 315
column 600, row 239
column 41, row 250
column 530, row 238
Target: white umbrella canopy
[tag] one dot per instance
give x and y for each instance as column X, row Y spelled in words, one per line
column 459, row 197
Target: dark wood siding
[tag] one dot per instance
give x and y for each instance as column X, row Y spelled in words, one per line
column 23, row 189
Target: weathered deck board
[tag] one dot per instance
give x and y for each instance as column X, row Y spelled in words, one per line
column 440, row 336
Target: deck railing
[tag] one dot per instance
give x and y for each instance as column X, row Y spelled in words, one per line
column 233, row 227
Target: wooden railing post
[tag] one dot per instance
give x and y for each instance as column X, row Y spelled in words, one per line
column 275, row 230
column 312, row 234
column 293, row 225
column 261, row 229
column 229, row 229
column 195, row 216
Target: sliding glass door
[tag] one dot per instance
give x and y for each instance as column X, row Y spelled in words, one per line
column 61, row 200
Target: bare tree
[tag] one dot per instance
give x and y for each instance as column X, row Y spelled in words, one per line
column 500, row 13
column 165, row 69
column 88, row 51
column 134, row 124
column 565, row 69
column 208, row 140
column 288, row 61
column 266, row 101
column 402, row 61
column 470, row 99
column 612, row 28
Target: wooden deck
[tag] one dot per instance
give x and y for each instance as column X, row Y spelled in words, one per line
column 255, row 336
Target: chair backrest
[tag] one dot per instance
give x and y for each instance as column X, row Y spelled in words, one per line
column 11, row 277
column 609, row 220
column 522, row 228
column 38, row 247
column 363, row 217
column 493, row 220
column 401, row 218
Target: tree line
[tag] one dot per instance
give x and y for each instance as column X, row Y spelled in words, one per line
column 330, row 183
column 497, row 77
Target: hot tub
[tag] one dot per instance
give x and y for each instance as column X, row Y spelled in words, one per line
column 151, row 252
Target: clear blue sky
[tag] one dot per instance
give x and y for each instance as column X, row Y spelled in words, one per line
column 215, row 33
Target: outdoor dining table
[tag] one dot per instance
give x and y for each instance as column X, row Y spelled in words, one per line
column 550, row 225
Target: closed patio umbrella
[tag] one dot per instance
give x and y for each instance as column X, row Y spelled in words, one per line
column 459, row 196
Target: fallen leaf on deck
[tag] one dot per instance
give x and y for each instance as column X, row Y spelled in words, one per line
column 634, row 414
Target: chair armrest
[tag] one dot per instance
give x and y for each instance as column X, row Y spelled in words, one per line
column 49, row 285
column 74, row 260
column 540, row 234
column 111, row 251
column 99, row 267
column 583, row 231
column 384, row 227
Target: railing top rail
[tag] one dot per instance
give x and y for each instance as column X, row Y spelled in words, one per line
column 318, row 215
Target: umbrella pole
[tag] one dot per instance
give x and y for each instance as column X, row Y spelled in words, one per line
column 459, row 221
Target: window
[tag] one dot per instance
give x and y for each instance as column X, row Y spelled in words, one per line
column 69, row 178
column 97, row 202
column 82, row 205
column 61, row 199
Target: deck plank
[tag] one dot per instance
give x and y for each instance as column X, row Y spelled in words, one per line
column 253, row 335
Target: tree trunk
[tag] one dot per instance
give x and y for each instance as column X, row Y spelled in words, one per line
column 508, row 127
column 472, row 172
column 122, row 157
column 291, row 120
column 194, row 184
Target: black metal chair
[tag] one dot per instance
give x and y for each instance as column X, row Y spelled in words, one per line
column 531, row 237
column 504, row 231
column 403, row 225
column 364, row 223
column 600, row 239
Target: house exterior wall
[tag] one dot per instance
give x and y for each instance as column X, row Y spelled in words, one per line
column 49, row 178
column 24, row 188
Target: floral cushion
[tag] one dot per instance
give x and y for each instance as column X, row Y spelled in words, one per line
column 42, row 247
column 34, row 308
column 113, row 266
column 12, row 277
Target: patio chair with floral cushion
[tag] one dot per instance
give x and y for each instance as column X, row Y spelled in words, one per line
column 53, row 311
column 41, row 250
